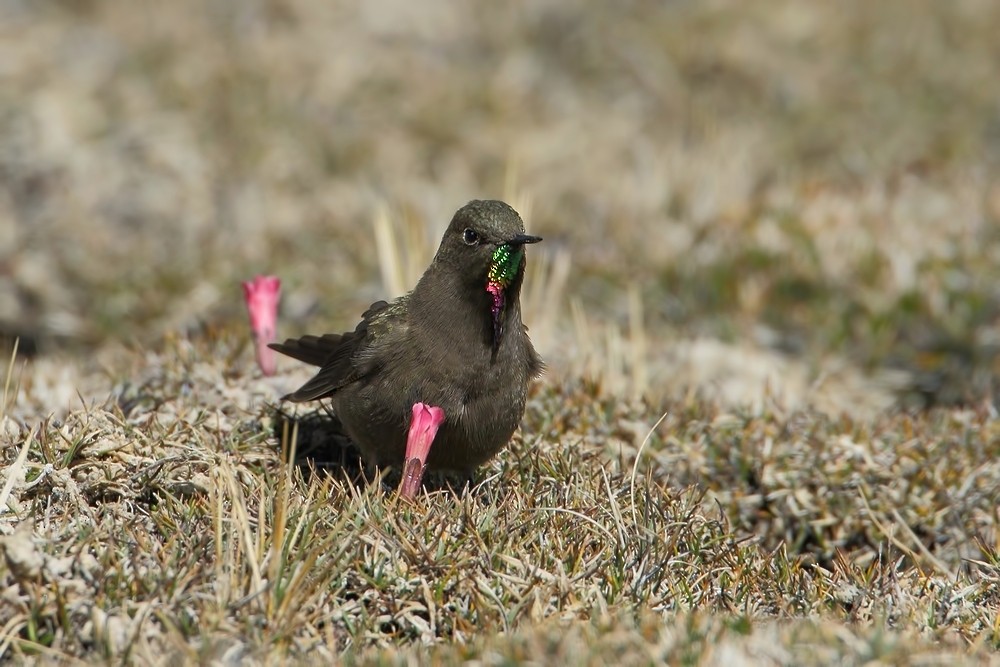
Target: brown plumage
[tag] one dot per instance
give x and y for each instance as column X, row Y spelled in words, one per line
column 450, row 343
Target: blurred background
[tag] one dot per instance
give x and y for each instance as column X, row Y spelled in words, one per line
column 742, row 199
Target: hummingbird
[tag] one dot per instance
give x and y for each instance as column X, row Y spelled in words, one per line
column 438, row 377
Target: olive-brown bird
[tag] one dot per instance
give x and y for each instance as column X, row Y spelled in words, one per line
column 437, row 378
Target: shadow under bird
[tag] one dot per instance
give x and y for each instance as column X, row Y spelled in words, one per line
column 437, row 378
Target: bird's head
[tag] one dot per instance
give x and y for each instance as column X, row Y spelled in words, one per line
column 484, row 246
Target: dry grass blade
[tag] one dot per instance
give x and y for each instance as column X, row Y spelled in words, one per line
column 580, row 515
column 635, row 464
column 891, row 536
column 13, row 472
column 390, row 258
column 8, row 376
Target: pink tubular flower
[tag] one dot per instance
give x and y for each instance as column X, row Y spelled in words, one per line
column 423, row 427
column 261, row 296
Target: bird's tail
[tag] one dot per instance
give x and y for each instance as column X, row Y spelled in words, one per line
column 314, row 350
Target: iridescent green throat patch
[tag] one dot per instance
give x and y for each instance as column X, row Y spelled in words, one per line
column 506, row 261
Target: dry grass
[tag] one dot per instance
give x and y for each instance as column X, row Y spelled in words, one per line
column 170, row 530
column 766, row 296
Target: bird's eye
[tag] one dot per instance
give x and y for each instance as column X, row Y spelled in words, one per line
column 470, row 236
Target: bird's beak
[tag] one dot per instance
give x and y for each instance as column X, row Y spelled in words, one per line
column 521, row 239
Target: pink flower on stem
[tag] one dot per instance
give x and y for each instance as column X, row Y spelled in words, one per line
column 261, row 296
column 423, row 427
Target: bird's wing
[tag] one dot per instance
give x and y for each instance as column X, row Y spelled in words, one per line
column 341, row 357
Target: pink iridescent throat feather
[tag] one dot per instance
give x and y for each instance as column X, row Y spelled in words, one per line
column 496, row 291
